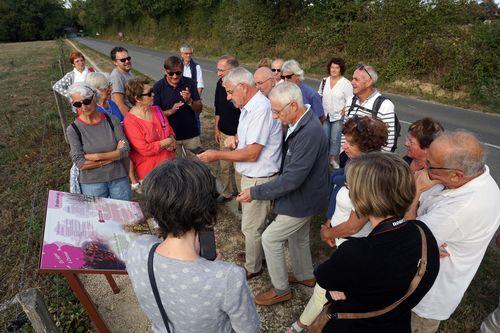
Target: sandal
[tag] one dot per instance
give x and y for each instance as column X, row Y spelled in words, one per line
column 295, row 328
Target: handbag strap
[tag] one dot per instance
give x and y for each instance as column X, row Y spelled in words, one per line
column 422, row 266
column 154, row 287
column 161, row 118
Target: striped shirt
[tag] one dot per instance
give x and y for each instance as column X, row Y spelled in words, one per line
column 385, row 113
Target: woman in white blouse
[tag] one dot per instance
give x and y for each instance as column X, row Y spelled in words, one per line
column 336, row 92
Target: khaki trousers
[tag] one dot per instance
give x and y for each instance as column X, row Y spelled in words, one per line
column 314, row 306
column 183, row 147
column 253, row 223
column 423, row 325
column 296, row 231
column 228, row 176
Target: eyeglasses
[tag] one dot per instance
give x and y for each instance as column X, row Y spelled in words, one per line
column 262, row 82
column 362, row 67
column 276, row 70
column 430, row 167
column 149, row 94
column 287, row 77
column 222, row 70
column 276, row 113
column 123, row 60
column 178, row 73
column 86, row 101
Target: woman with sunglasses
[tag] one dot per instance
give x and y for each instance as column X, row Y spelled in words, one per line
column 363, row 135
column 151, row 138
column 99, row 148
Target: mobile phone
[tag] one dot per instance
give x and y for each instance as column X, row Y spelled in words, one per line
column 207, row 244
column 197, row 150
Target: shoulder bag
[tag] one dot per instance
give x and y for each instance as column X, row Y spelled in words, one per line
column 154, row 287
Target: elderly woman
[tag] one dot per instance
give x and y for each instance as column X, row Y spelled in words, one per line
column 78, row 74
column 375, row 281
column 151, row 138
column 198, row 295
column 100, row 81
column 363, row 135
column 420, row 136
column 291, row 71
column 99, row 148
column 336, row 92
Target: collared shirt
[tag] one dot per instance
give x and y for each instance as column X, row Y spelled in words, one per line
column 465, row 218
column 293, row 127
column 335, row 99
column 80, row 77
column 199, row 75
column 312, row 98
column 183, row 121
column 256, row 125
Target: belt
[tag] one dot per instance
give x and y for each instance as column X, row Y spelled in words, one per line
column 274, row 174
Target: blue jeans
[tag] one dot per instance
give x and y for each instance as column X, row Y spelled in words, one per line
column 115, row 189
column 333, row 131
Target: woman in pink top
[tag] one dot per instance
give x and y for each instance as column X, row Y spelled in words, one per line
column 151, row 138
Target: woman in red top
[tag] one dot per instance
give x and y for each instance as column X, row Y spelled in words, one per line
column 151, row 138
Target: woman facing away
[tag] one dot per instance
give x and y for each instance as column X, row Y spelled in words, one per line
column 197, row 295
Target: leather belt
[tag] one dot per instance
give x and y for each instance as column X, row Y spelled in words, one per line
column 274, row 174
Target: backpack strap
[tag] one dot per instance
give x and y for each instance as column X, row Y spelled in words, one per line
column 78, row 133
column 109, row 122
column 353, row 105
column 376, row 105
column 323, row 82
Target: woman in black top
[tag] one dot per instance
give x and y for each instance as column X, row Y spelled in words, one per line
column 371, row 273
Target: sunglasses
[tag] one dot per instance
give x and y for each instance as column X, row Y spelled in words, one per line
column 86, row 101
column 123, row 60
column 362, row 67
column 178, row 73
column 276, row 70
column 360, row 126
column 287, row 77
column 149, row 94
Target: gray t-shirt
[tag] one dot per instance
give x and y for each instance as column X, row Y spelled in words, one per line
column 198, row 295
column 99, row 138
column 118, row 80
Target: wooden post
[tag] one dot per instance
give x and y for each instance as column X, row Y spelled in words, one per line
column 62, row 115
column 33, row 305
column 61, row 66
column 112, row 283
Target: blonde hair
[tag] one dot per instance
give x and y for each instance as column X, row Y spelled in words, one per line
column 380, row 185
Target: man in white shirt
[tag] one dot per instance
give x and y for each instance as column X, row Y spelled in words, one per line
column 193, row 71
column 257, row 153
column 459, row 202
column 264, row 80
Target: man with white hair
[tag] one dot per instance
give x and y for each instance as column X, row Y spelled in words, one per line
column 264, row 80
column 193, row 71
column 458, row 200
column 257, row 153
column 300, row 192
column 291, row 71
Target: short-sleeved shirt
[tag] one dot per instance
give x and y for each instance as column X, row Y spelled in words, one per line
column 311, row 97
column 118, row 80
column 229, row 115
column 198, row 295
column 256, row 125
column 184, row 120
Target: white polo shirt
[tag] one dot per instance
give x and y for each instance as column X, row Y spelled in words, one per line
column 465, row 219
column 257, row 125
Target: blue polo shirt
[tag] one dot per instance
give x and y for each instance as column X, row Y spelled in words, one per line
column 312, row 98
column 183, row 122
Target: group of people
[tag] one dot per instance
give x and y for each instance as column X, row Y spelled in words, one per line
column 409, row 232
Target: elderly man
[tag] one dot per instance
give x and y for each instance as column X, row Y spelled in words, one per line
column 226, row 124
column 264, row 80
column 291, row 71
column 193, row 71
column 257, row 156
column 367, row 101
column 458, row 200
column 119, row 77
column 177, row 96
column 300, row 191
column 276, row 69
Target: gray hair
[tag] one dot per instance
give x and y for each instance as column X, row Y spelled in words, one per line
column 372, row 71
column 287, row 92
column 84, row 89
column 239, row 75
column 98, row 80
column 230, row 60
column 293, row 66
column 465, row 152
column 185, row 47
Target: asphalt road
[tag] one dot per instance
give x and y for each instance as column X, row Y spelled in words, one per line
column 485, row 126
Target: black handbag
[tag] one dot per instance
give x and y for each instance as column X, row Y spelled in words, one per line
column 154, row 287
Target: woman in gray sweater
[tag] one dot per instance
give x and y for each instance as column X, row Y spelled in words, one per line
column 197, row 295
column 99, row 148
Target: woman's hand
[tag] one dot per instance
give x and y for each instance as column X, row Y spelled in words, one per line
column 171, row 144
column 120, row 144
column 231, row 142
column 93, row 157
column 337, row 295
column 325, row 234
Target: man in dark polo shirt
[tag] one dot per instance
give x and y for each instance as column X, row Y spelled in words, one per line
column 178, row 97
column 226, row 123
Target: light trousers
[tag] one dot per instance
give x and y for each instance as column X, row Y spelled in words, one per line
column 228, row 176
column 314, row 306
column 423, row 325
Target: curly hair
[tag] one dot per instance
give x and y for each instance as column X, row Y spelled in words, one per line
column 337, row 61
column 425, row 131
column 134, row 88
column 75, row 55
column 369, row 134
column 180, row 194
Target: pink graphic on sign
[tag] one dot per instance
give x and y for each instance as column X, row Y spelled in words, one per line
column 62, row 256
